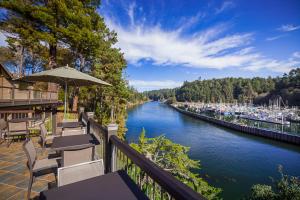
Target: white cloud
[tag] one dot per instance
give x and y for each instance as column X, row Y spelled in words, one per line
column 208, row 48
column 130, row 12
column 142, row 85
column 169, row 47
column 273, row 65
column 288, row 28
column 275, row 37
column 226, row 5
column 296, row 54
column 186, row 23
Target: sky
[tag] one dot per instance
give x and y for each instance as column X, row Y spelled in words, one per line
column 168, row 42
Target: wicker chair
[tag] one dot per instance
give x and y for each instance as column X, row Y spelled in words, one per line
column 72, row 157
column 18, row 128
column 44, row 137
column 37, row 167
column 79, row 172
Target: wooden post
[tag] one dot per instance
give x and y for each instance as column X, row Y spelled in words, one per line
column 80, row 112
column 53, row 113
column 109, row 158
column 13, row 95
column 30, row 93
column 88, row 126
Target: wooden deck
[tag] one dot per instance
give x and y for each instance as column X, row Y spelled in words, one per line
column 16, row 97
column 14, row 174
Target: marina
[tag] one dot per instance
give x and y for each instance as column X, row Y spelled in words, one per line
column 273, row 118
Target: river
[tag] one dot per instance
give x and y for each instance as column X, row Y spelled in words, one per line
column 230, row 160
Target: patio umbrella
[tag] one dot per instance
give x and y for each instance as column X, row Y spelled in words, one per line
column 65, row 76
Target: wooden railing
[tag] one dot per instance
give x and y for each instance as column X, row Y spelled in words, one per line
column 12, row 95
column 19, row 114
column 155, row 182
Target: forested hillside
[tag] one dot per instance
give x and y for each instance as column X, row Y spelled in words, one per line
column 257, row 90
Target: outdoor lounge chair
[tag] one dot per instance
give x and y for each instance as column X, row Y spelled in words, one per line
column 75, row 131
column 18, row 128
column 79, row 172
column 44, row 137
column 37, row 167
column 72, row 157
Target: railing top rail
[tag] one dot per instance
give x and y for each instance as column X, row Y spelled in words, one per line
column 166, row 180
column 17, row 88
column 93, row 123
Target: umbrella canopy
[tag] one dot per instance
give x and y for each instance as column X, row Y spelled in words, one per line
column 65, row 75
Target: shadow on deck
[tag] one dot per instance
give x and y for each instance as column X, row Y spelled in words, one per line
column 14, row 174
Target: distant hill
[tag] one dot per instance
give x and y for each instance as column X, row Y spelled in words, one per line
column 285, row 89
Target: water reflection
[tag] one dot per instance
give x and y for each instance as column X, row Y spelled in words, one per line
column 229, row 159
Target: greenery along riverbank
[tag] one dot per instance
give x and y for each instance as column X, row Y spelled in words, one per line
column 257, row 90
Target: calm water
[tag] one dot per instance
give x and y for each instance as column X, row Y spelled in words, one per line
column 230, row 160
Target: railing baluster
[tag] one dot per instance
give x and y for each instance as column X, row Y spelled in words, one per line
column 127, row 164
column 153, row 191
column 140, row 178
column 134, row 173
column 118, row 159
column 147, row 182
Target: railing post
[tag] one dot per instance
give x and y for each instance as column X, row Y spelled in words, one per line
column 109, row 158
column 30, row 93
column 80, row 112
column 54, row 112
column 88, row 126
column 13, row 94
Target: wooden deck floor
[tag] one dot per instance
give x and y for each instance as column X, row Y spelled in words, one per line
column 14, row 174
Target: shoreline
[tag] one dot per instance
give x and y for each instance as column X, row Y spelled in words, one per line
column 132, row 105
column 283, row 137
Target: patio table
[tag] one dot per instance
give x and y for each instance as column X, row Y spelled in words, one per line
column 74, row 142
column 114, row 186
column 64, row 125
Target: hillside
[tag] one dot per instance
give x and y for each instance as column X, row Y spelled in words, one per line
column 258, row 90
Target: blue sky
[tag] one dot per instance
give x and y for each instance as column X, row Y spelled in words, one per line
column 168, row 42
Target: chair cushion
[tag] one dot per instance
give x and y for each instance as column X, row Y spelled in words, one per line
column 44, row 164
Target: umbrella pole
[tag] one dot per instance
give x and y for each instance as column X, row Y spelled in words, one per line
column 66, row 90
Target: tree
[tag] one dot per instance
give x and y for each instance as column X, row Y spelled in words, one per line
column 174, row 158
column 33, row 22
column 286, row 188
column 258, row 90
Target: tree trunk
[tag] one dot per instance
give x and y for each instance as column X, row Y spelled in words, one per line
column 75, row 98
column 21, row 72
column 52, row 53
column 52, row 65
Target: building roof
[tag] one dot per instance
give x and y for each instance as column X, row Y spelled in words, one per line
column 4, row 71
